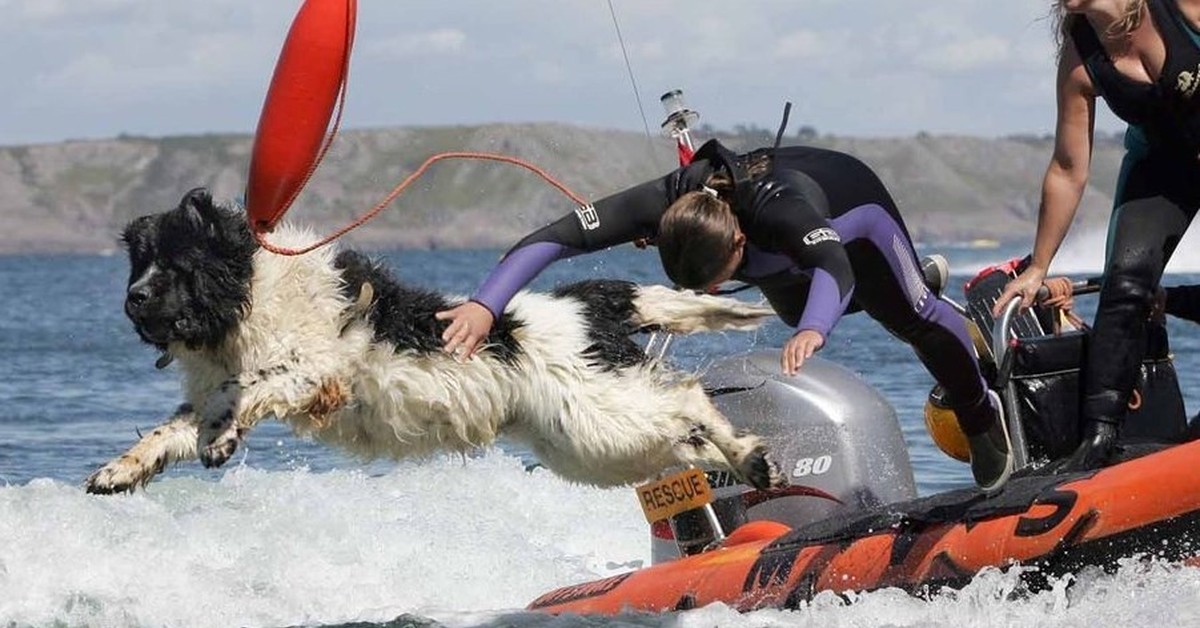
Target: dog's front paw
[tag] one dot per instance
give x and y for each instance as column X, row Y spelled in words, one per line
column 760, row 470
column 122, row 475
column 220, row 450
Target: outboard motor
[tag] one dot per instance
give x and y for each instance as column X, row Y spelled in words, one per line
column 835, row 437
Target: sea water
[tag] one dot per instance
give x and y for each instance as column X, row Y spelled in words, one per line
column 290, row 533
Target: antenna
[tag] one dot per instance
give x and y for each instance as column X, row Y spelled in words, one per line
column 678, row 124
column 632, row 81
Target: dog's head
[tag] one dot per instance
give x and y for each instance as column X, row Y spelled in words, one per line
column 189, row 272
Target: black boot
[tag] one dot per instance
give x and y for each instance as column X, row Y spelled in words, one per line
column 991, row 452
column 1102, row 413
column 1098, row 445
column 1193, row 429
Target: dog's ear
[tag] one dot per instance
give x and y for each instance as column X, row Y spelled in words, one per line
column 136, row 231
column 197, row 204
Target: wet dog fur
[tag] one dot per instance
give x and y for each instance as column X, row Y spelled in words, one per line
column 332, row 344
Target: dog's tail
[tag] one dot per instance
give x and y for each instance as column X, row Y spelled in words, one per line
column 684, row 312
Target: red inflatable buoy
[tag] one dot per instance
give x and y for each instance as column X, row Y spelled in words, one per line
column 309, row 77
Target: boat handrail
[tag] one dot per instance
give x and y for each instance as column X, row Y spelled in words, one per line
column 1002, row 345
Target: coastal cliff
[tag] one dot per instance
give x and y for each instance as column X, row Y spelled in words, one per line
column 75, row 196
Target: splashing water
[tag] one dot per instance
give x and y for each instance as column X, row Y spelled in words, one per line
column 1082, row 253
column 1085, row 254
column 463, row 542
column 281, row 548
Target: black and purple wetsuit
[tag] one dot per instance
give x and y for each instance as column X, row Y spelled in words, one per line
column 823, row 235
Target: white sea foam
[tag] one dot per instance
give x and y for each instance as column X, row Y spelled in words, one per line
column 1081, row 254
column 283, row 548
column 463, row 542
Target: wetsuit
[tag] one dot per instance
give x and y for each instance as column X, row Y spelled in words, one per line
column 1184, row 302
column 1157, row 196
column 823, row 235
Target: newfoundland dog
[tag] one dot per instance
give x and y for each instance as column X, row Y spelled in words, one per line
column 332, row 344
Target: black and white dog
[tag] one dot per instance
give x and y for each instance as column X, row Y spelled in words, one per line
column 334, row 346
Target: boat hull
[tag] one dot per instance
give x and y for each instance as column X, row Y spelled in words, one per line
column 1148, row 505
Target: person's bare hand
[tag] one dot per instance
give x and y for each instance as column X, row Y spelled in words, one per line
column 1026, row 286
column 799, row 348
column 470, row 323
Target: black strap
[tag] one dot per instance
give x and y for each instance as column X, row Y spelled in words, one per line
column 1170, row 13
column 1087, row 42
column 787, row 110
column 716, row 153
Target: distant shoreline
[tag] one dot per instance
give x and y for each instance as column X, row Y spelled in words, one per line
column 988, row 245
column 75, row 197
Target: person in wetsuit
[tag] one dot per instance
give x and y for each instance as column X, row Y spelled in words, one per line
column 814, row 229
column 1182, row 302
column 1143, row 58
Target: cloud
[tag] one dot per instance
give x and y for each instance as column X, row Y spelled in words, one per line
column 132, row 71
column 966, row 55
column 652, row 50
column 801, row 45
column 442, row 41
column 94, row 68
column 548, row 71
column 51, row 11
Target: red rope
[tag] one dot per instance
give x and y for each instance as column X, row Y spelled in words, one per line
column 1061, row 293
column 261, row 236
column 1061, row 298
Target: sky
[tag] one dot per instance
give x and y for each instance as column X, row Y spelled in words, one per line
column 84, row 69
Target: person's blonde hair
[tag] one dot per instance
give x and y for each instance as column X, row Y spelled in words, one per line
column 696, row 235
column 1064, row 21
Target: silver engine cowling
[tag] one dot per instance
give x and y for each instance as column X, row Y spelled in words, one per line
column 835, row 437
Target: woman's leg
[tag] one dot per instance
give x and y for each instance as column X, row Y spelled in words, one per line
column 890, row 288
column 932, row 327
column 1143, row 234
column 1156, row 201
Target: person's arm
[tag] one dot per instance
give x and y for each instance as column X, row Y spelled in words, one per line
column 1065, row 179
column 616, row 219
column 808, row 239
column 1183, row 302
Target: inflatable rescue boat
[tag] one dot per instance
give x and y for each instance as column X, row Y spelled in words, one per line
column 851, row 520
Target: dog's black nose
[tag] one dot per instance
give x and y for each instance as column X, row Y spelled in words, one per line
column 137, row 297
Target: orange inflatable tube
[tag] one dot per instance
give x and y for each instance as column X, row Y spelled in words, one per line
column 1149, row 506
column 309, row 77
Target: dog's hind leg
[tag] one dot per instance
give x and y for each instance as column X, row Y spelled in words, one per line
column 168, row 443
column 745, row 454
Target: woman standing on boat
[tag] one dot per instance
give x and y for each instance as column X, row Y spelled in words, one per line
column 814, row 229
column 1143, row 58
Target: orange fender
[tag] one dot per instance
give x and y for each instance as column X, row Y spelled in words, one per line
column 309, row 76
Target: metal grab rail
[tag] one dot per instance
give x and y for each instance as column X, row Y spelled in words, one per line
column 1002, row 349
